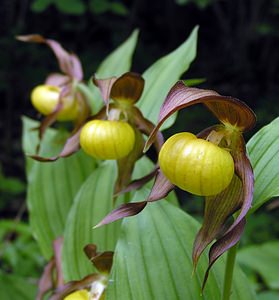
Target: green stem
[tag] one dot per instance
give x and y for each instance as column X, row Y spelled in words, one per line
column 229, row 272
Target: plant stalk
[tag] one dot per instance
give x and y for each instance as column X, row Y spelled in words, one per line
column 229, row 272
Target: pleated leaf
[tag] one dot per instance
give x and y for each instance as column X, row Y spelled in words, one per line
column 92, row 203
column 153, row 260
column 162, row 75
column 52, row 187
column 93, row 200
column 117, row 63
column 263, row 150
column 264, row 260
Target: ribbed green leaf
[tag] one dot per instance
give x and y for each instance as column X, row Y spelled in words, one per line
column 163, row 74
column 91, row 204
column 263, row 150
column 153, row 260
column 93, row 201
column 263, row 259
column 117, row 63
column 16, row 288
column 52, row 187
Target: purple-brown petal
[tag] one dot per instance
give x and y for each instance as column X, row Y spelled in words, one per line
column 57, row 79
column 146, row 127
column 68, row 63
column 161, row 188
column 138, row 183
column 46, row 280
column 105, row 86
column 71, row 146
column 127, row 88
column 222, row 245
column 124, row 210
column 218, row 209
column 57, row 248
column 228, row 110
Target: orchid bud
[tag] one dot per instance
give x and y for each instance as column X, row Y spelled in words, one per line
column 196, row 165
column 105, row 139
column 45, row 99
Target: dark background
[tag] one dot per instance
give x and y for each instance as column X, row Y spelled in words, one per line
column 238, row 54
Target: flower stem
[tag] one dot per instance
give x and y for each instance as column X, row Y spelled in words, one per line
column 229, row 272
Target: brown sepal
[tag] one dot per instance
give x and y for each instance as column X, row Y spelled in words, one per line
column 127, row 88
column 101, row 260
column 227, row 109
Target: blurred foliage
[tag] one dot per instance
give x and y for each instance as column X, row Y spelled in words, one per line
column 200, row 3
column 79, row 7
column 19, row 253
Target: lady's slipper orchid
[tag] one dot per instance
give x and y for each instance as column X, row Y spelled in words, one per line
column 236, row 118
column 59, row 98
column 119, row 116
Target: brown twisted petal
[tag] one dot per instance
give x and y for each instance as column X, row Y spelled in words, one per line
column 219, row 208
column 228, row 110
column 161, row 188
column 68, row 62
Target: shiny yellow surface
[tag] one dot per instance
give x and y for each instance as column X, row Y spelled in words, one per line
column 45, row 98
column 196, row 165
column 78, row 295
column 107, row 139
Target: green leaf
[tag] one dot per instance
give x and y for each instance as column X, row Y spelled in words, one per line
column 268, row 295
column 263, row 150
column 93, row 201
column 263, row 259
column 16, row 288
column 153, row 260
column 163, row 74
column 117, row 63
column 91, row 204
column 52, row 186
